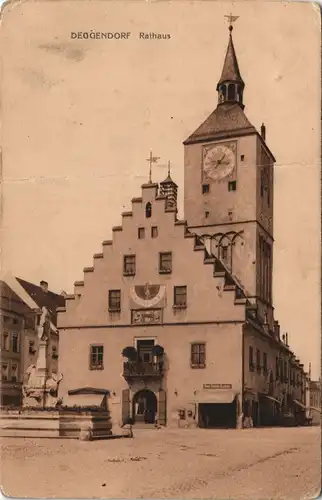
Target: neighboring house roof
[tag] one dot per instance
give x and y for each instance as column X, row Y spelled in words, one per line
column 34, row 296
column 42, row 298
column 227, row 119
column 48, row 299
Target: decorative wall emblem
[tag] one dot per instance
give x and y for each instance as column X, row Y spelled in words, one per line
column 147, row 295
column 146, row 317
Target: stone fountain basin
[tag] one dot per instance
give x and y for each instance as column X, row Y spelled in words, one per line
column 54, row 423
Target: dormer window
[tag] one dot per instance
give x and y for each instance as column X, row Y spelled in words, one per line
column 148, row 210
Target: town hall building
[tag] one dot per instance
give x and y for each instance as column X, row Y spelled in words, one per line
column 175, row 317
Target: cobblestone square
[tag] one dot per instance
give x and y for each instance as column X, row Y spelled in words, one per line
column 248, row 464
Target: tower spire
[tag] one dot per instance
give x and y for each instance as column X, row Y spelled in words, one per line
column 230, row 86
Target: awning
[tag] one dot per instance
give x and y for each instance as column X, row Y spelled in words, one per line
column 216, row 396
column 299, row 403
column 272, row 399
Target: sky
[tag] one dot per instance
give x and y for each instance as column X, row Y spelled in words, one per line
column 79, row 118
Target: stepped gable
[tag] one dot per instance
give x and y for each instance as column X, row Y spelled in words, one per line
column 219, row 270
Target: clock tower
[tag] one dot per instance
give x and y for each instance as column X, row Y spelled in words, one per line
column 228, row 188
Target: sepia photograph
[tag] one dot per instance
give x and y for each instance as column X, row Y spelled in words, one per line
column 160, row 271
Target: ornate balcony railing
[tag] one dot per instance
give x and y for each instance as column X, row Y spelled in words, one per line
column 137, row 369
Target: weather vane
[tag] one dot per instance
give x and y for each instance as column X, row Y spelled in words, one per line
column 231, row 19
column 152, row 159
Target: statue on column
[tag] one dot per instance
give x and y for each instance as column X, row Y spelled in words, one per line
column 41, row 387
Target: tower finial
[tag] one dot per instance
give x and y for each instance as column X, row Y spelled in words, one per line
column 231, row 19
column 169, row 167
column 152, row 159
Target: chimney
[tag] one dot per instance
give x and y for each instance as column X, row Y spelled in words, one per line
column 283, row 338
column 277, row 329
column 286, row 338
column 44, row 286
column 263, row 131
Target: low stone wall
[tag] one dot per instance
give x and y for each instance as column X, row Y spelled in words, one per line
column 67, row 423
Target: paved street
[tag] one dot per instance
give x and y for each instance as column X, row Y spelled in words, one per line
column 248, row 464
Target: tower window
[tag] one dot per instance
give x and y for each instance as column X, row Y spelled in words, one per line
column 141, row 233
column 148, row 210
column 231, row 92
column 242, row 157
column 205, row 188
column 232, row 185
column 206, row 214
column 154, row 232
column 224, row 253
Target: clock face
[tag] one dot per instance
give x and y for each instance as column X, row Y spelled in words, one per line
column 218, row 162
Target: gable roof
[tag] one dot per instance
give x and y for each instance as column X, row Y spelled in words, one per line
column 227, row 120
column 48, row 299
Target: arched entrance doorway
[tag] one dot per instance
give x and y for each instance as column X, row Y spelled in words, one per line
column 145, row 406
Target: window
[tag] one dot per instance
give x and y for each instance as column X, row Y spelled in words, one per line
column 6, row 319
column 32, row 349
column 277, row 368
column 5, row 342
column 148, row 210
column 165, row 263
column 15, row 321
column 285, row 372
column 144, row 349
column 205, row 188
column 224, row 253
column 14, row 373
column 15, row 342
column 232, row 185
column 242, row 157
column 114, row 300
column 97, row 355
column 230, row 215
column 231, row 92
column 206, row 215
column 54, row 354
column 141, row 233
column 198, row 355
column 258, row 360
column 129, row 265
column 265, row 367
column 30, row 322
column 251, row 358
column 180, row 296
column 4, row 371
column 154, row 232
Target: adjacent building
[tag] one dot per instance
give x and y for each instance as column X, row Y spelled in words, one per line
column 21, row 307
column 175, row 317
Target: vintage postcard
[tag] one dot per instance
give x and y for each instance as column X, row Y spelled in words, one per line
column 160, row 249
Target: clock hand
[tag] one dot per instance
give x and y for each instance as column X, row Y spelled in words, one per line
column 221, row 159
